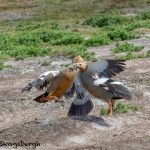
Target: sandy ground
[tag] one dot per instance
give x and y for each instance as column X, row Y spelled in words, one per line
column 23, row 119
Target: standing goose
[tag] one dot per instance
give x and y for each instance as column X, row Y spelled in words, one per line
column 96, row 79
column 108, row 90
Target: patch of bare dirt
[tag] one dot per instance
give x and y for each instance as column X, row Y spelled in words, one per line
column 23, row 119
column 10, row 10
column 106, row 51
column 103, row 51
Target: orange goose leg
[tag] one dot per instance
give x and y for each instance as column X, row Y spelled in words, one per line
column 111, row 104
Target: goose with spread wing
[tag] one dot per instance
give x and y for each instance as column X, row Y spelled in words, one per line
column 55, row 82
column 96, row 79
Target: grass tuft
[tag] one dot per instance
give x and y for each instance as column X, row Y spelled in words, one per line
column 106, row 20
column 121, row 108
column 130, row 55
column 148, row 54
column 98, row 40
column 60, row 37
column 75, row 50
column 2, row 66
column 144, row 15
column 46, row 63
column 120, row 34
column 126, row 47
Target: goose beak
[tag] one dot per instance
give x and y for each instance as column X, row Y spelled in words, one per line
column 76, row 68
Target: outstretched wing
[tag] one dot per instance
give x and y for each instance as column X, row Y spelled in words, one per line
column 106, row 68
column 42, row 81
column 82, row 103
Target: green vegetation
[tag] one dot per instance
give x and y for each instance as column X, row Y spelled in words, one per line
column 106, row 20
column 70, row 28
column 2, row 66
column 121, row 108
column 120, row 34
column 144, row 15
column 148, row 54
column 46, row 63
column 104, row 111
column 74, row 50
column 4, row 57
column 130, row 55
column 126, row 47
column 98, row 40
column 59, row 37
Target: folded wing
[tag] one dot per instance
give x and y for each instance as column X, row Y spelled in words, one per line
column 117, row 88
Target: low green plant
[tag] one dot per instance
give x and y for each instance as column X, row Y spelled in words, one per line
column 143, row 15
column 130, row 55
column 130, row 26
column 105, row 20
column 55, row 25
column 32, row 25
column 120, row 34
column 148, row 54
column 104, row 111
column 126, row 47
column 2, row 66
column 98, row 40
column 4, row 57
column 46, row 63
column 27, row 51
column 28, row 39
column 121, row 108
column 74, row 50
column 59, row 37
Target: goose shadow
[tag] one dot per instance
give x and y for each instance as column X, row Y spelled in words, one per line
column 90, row 118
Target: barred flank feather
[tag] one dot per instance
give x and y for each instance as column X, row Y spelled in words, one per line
column 27, row 88
column 121, row 91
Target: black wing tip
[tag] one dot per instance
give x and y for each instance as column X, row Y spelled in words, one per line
column 130, row 96
column 120, row 61
column 121, row 91
column 26, row 89
column 117, row 60
column 115, row 67
column 81, row 110
column 40, row 99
